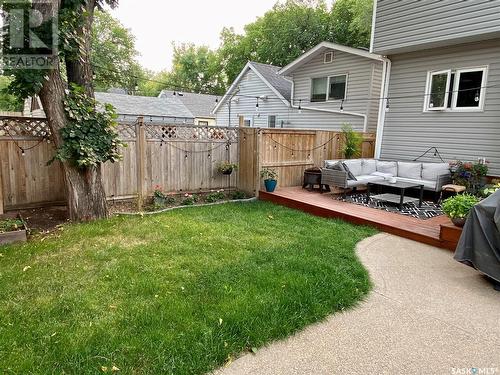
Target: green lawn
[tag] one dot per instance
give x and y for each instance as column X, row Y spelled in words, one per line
column 180, row 292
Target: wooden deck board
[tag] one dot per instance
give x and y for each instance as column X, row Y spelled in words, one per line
column 425, row 231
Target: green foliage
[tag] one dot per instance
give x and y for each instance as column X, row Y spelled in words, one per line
column 189, row 199
column 491, row 189
column 89, row 138
column 173, row 293
column 114, row 57
column 11, row 225
column 238, row 194
column 214, row 197
column 293, row 27
column 268, row 174
column 226, row 166
column 459, row 206
column 8, row 101
column 469, row 174
column 351, row 147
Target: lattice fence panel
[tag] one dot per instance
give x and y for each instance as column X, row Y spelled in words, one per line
column 190, row 133
column 24, row 128
column 126, row 130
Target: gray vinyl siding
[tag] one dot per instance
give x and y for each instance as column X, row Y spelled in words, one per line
column 363, row 82
column 409, row 131
column 287, row 117
column 402, row 26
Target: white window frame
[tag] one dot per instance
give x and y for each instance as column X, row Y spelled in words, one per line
column 454, row 93
column 482, row 91
column 328, row 88
column 269, row 121
column 332, row 57
column 428, row 88
column 248, row 118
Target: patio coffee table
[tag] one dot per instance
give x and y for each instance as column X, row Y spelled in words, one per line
column 400, row 199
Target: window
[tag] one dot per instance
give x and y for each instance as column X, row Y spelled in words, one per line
column 331, row 88
column 337, row 86
column 248, row 121
column 328, row 58
column 318, row 90
column 203, row 123
column 459, row 90
column 271, row 121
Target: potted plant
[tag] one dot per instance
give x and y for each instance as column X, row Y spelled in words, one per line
column 471, row 175
column 226, row 167
column 269, row 175
column 457, row 208
column 352, row 142
column 12, row 230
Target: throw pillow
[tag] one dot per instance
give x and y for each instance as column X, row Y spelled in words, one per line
column 350, row 176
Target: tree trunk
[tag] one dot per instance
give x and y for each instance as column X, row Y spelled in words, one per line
column 86, row 196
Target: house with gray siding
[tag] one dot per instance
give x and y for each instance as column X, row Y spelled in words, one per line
column 326, row 87
column 442, row 85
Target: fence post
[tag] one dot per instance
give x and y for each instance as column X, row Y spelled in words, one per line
column 140, row 160
column 1, row 192
column 258, row 144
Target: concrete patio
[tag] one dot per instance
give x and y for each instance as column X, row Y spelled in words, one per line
column 426, row 314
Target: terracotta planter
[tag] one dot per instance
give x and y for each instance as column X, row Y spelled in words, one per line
column 459, row 222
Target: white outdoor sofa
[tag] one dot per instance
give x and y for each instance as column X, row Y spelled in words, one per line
column 352, row 173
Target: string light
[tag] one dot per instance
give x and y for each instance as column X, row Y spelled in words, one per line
column 257, row 106
column 342, row 106
column 300, row 106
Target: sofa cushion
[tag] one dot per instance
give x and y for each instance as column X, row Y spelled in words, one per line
column 390, row 167
column 355, row 166
column 368, row 166
column 385, row 176
column 427, row 183
column 363, row 180
column 336, row 166
column 430, row 171
column 409, row 170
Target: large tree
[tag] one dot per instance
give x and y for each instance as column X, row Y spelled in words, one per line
column 113, row 55
column 84, row 136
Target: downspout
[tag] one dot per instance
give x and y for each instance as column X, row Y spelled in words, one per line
column 382, row 109
column 362, row 115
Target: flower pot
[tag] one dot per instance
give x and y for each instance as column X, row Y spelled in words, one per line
column 227, row 172
column 459, row 221
column 270, row 185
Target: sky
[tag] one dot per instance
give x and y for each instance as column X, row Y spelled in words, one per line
column 158, row 23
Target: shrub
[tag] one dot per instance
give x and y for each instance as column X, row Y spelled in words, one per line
column 269, row 174
column 238, row 195
column 11, row 225
column 214, row 197
column 189, row 199
column 459, row 206
column 352, row 142
column 226, row 166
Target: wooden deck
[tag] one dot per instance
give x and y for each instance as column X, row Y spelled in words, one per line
column 426, row 231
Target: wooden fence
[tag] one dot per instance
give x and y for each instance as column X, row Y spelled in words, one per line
column 179, row 158
column 290, row 152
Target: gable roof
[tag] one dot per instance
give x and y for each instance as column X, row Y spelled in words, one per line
column 200, row 105
column 323, row 46
column 144, row 105
column 279, row 84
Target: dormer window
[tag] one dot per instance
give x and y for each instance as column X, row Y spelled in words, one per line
column 328, row 57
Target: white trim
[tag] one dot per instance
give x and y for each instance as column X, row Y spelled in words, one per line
column 374, row 20
column 428, row 90
column 384, row 92
column 327, row 99
column 482, row 90
column 330, row 53
column 364, row 116
column 454, row 93
column 269, row 122
column 327, row 45
column 240, row 77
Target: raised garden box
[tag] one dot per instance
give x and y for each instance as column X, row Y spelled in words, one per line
column 12, row 230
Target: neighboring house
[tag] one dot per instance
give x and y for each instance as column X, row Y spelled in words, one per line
column 239, row 107
column 443, row 83
column 200, row 105
column 129, row 108
column 326, row 87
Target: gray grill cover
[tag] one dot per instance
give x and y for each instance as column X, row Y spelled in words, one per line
column 479, row 245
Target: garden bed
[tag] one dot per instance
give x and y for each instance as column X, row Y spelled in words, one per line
column 12, row 230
